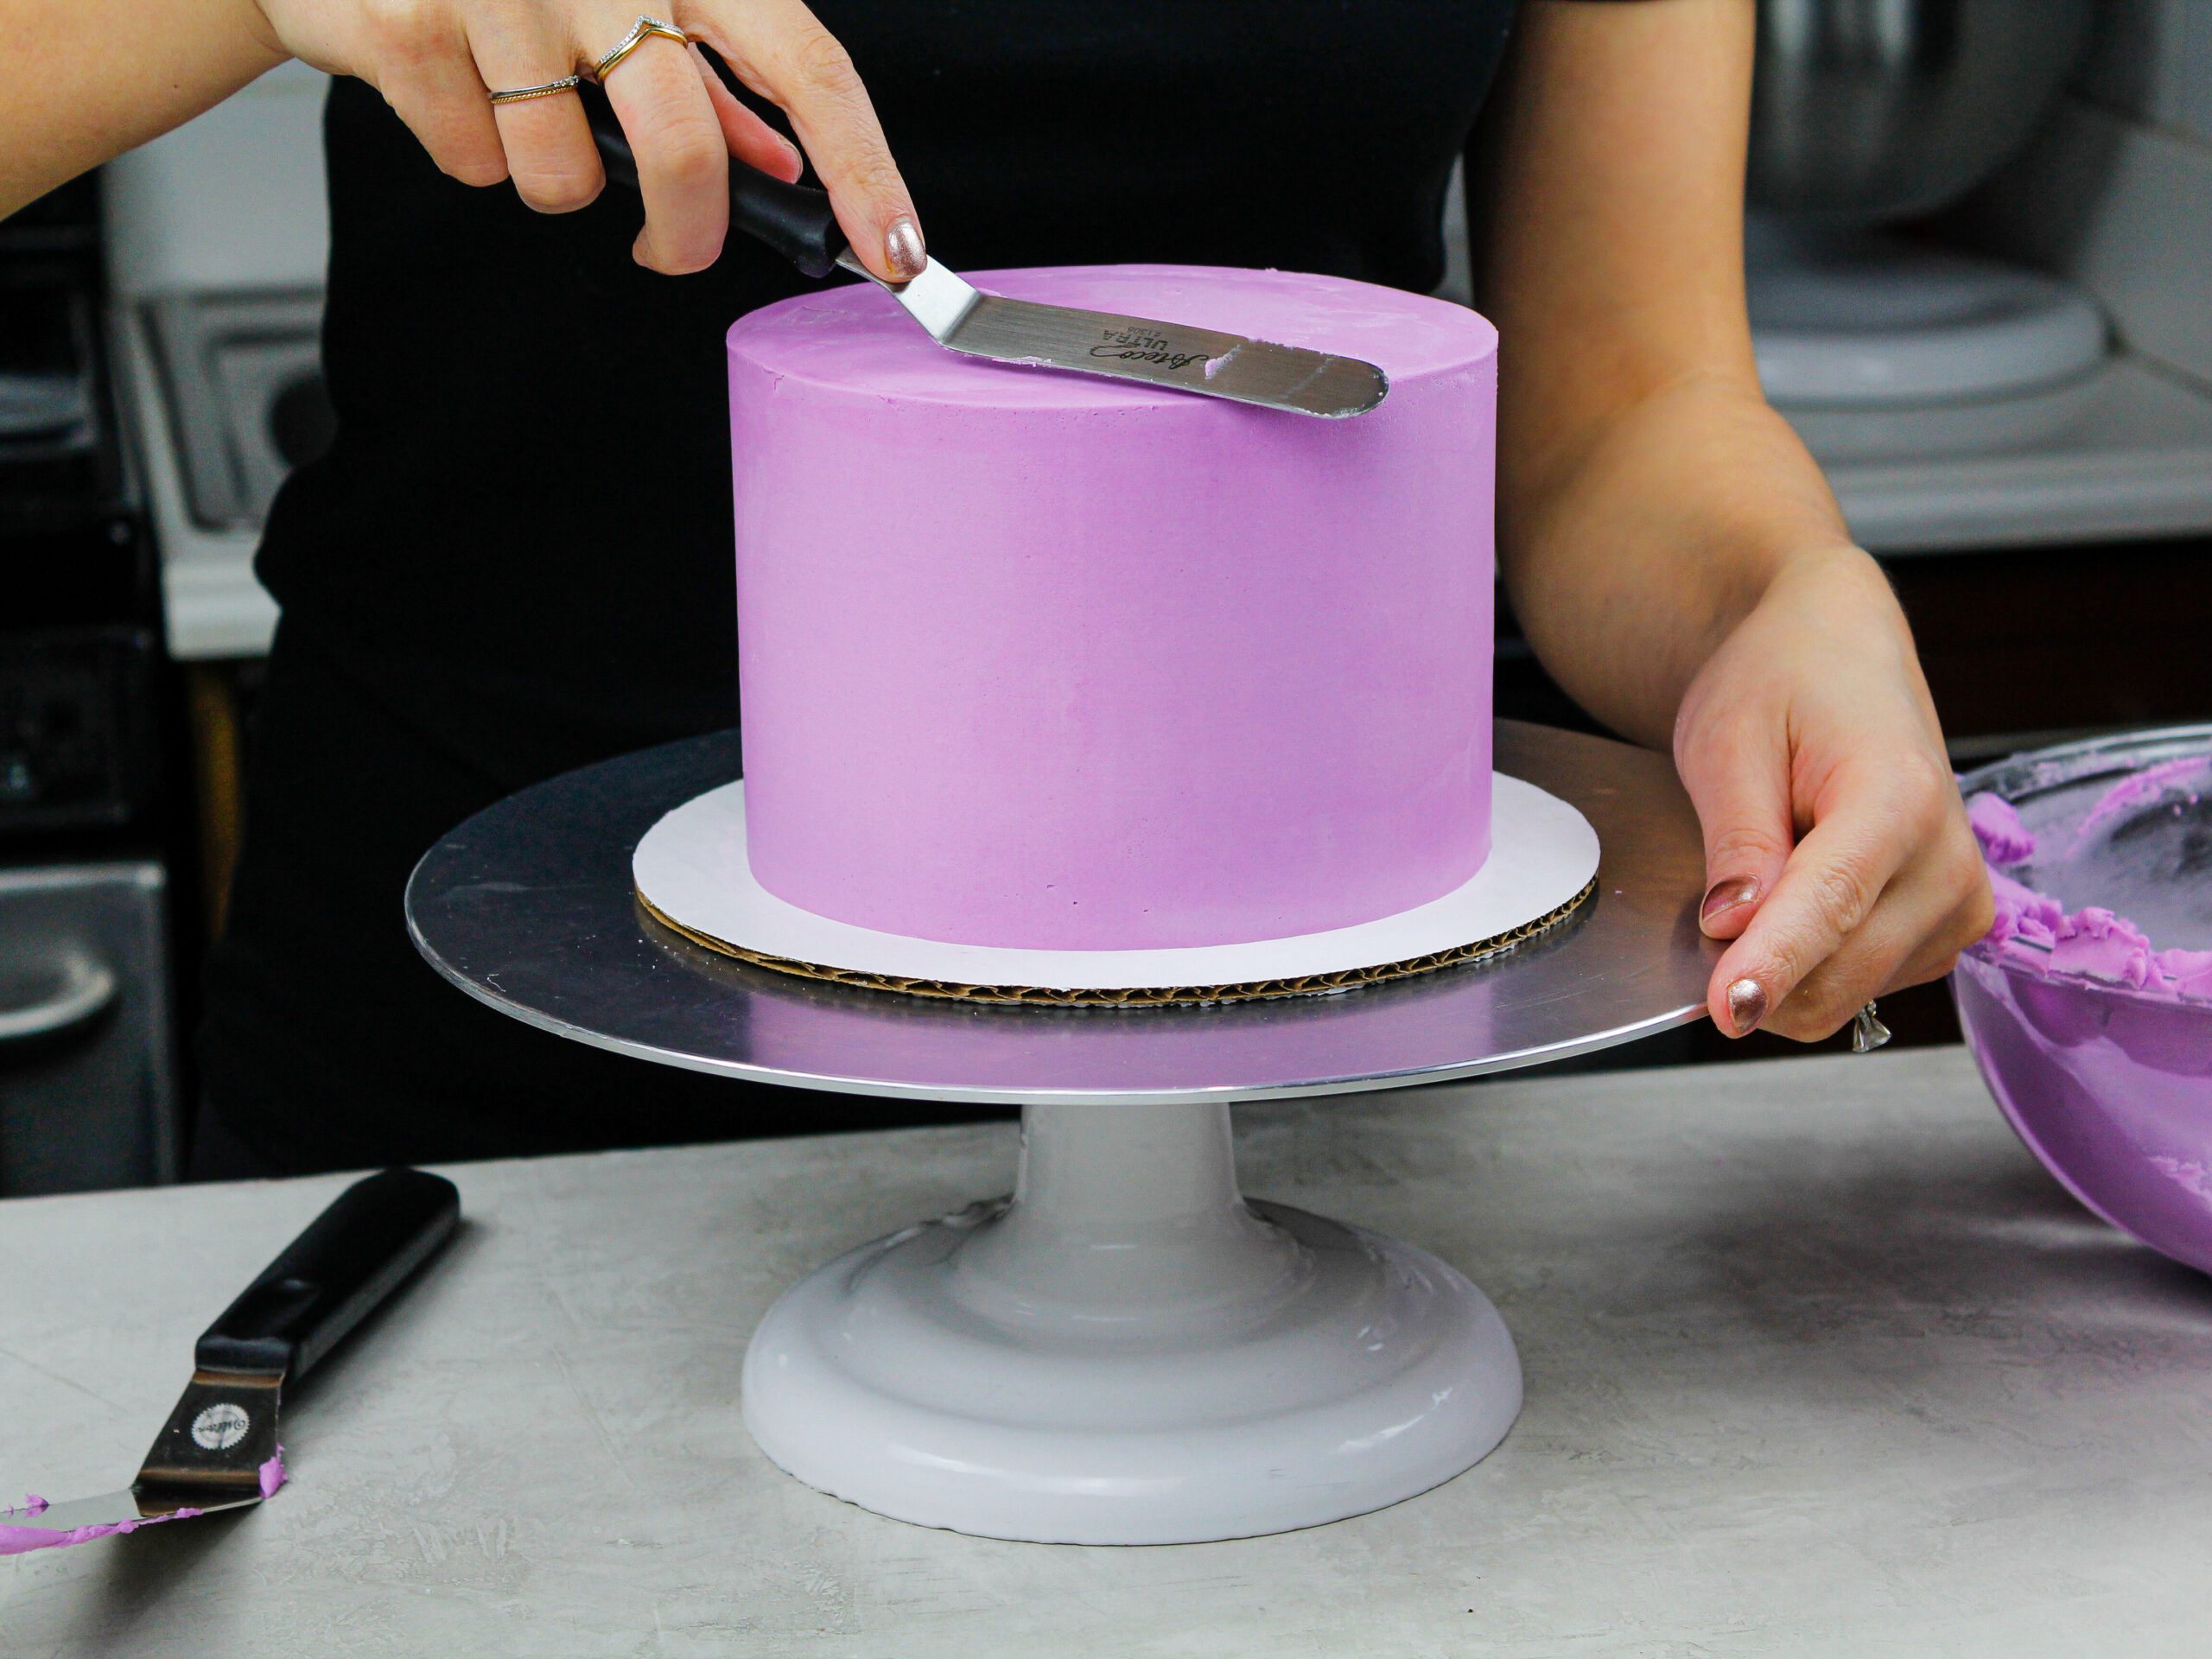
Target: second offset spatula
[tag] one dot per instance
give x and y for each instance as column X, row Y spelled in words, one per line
column 219, row 1449
column 797, row 223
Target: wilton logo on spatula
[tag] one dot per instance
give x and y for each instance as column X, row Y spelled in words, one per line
column 220, row 1427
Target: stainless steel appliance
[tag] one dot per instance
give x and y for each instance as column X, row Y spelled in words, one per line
column 87, row 1092
column 1870, row 112
column 87, row 1079
column 242, row 376
column 217, row 234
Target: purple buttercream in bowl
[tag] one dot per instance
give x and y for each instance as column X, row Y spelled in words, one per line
column 2088, row 1005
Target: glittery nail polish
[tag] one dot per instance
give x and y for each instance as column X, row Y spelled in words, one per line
column 1726, row 894
column 903, row 250
column 1746, row 1005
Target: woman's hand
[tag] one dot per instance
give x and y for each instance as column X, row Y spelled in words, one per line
column 436, row 61
column 87, row 81
column 1674, row 554
column 1837, row 850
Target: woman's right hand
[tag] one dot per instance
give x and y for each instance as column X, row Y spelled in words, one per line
column 437, row 63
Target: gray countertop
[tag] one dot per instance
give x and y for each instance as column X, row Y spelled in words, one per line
column 1819, row 1363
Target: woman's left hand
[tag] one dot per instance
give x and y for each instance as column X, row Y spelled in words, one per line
column 1838, row 856
column 1673, row 552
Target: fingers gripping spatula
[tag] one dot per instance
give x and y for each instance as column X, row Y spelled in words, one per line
column 219, row 1449
column 799, row 224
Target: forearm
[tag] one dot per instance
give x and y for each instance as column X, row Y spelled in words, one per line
column 85, row 81
column 1631, row 563
column 1647, row 497
column 1673, row 553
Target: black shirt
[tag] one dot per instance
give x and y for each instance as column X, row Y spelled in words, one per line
column 517, row 556
column 525, row 526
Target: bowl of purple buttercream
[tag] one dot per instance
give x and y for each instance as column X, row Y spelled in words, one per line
column 2088, row 1005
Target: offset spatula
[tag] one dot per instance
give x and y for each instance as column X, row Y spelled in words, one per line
column 797, row 223
column 219, row 1449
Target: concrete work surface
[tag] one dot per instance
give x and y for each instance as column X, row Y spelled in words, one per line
column 1819, row 1363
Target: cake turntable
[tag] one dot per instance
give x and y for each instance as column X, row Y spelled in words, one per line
column 1125, row 1350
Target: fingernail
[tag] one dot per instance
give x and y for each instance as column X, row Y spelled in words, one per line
column 1746, row 1005
column 1726, row 894
column 903, row 250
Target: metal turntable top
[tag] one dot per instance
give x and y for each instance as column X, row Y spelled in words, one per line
column 529, row 907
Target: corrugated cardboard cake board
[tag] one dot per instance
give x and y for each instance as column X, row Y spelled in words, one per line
column 692, row 876
column 1139, row 996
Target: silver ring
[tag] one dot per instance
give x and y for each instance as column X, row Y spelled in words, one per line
column 641, row 31
column 517, row 94
column 1867, row 1030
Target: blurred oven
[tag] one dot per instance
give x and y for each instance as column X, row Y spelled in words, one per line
column 88, row 1085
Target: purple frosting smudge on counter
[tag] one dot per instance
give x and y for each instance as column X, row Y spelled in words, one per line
column 16, row 1540
column 2035, row 932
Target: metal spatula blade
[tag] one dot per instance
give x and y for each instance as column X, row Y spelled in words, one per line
column 1243, row 371
column 798, row 223
column 40, row 1528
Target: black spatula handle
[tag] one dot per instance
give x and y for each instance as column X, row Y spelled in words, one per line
column 350, row 1257
column 794, row 221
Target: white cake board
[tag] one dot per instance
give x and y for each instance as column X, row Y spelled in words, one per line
column 692, row 869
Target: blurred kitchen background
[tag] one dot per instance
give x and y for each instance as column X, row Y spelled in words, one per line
column 1979, row 268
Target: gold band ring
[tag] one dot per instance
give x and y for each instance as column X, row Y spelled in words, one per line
column 516, row 95
column 644, row 29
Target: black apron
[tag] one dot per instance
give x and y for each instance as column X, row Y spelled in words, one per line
column 515, row 558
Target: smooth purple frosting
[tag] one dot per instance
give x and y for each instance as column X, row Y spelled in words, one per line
column 2035, row 932
column 1044, row 660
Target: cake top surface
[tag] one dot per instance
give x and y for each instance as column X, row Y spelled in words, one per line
column 856, row 337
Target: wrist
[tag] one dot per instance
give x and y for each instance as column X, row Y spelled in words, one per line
column 1826, row 613
column 1635, row 553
